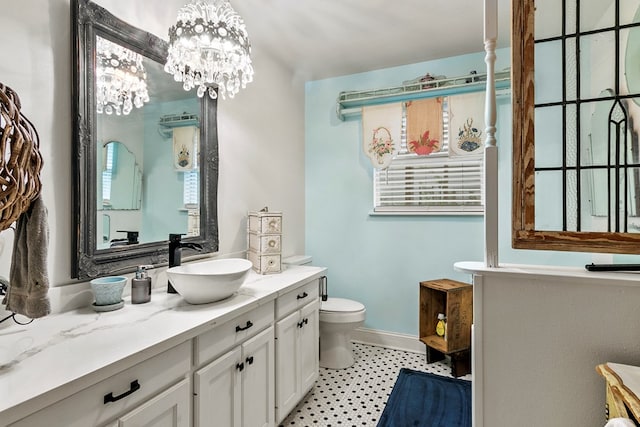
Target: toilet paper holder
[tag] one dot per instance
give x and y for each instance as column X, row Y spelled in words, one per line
column 323, row 288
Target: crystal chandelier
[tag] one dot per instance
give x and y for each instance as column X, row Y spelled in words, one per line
column 208, row 48
column 121, row 81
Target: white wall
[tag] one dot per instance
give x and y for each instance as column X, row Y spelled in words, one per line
column 261, row 131
column 539, row 333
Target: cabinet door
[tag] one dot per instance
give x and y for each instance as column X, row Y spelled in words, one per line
column 217, row 392
column 169, row 409
column 258, row 380
column 309, row 335
column 287, row 361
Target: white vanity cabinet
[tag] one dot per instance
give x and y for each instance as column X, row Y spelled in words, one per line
column 168, row 409
column 245, row 361
column 297, row 341
column 155, row 392
column 236, row 389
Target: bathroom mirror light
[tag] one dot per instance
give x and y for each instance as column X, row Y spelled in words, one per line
column 162, row 193
column 209, row 48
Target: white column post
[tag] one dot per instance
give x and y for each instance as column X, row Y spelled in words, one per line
column 490, row 150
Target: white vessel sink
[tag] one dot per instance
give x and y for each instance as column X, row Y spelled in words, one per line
column 209, row 281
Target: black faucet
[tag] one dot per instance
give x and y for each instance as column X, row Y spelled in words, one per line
column 175, row 254
column 132, row 236
column 132, row 239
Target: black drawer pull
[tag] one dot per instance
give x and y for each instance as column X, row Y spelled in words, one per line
column 303, row 322
column 249, row 360
column 133, row 387
column 303, row 296
column 240, row 366
column 247, row 326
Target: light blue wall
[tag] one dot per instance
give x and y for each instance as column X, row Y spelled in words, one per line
column 380, row 260
column 377, row 260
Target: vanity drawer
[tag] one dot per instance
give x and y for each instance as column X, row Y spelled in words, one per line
column 265, row 263
column 265, row 222
column 88, row 407
column 221, row 338
column 265, row 243
column 296, row 298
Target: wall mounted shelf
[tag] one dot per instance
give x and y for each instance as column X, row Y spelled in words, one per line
column 170, row 121
column 349, row 103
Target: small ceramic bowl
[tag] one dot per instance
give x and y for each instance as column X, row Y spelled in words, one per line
column 108, row 290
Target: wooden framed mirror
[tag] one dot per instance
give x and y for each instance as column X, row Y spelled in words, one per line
column 173, row 179
column 576, row 120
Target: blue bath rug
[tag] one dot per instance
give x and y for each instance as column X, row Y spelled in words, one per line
column 420, row 399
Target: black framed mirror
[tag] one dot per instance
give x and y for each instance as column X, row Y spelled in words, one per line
column 178, row 194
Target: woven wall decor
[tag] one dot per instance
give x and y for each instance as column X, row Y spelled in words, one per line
column 20, row 159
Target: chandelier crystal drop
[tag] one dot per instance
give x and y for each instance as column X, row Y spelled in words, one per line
column 209, row 48
column 121, row 81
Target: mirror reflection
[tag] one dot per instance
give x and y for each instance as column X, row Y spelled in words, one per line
column 119, row 178
column 121, row 80
column 156, row 172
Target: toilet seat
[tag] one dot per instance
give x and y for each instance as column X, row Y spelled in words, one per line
column 340, row 305
column 341, row 310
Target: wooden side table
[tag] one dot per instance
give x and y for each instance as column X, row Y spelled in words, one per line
column 455, row 300
column 623, row 389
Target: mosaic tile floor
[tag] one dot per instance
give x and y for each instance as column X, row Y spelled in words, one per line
column 356, row 396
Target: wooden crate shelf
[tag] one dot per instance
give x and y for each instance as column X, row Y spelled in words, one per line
column 455, row 300
column 436, row 342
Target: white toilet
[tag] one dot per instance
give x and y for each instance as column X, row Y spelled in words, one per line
column 338, row 318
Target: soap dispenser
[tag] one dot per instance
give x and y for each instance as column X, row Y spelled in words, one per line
column 441, row 326
column 141, row 286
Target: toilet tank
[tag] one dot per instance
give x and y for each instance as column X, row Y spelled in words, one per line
column 297, row 260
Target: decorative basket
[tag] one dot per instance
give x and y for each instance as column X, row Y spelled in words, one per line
column 20, row 159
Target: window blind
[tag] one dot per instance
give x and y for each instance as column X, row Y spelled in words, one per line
column 107, row 173
column 190, row 196
column 434, row 184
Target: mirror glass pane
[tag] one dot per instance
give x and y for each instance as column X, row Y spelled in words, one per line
column 146, row 157
column 587, row 76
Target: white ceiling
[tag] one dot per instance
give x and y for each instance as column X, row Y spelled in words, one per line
column 329, row 38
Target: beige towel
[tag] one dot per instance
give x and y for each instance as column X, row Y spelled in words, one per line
column 185, row 147
column 28, row 277
column 466, row 124
column 424, row 126
column 381, row 133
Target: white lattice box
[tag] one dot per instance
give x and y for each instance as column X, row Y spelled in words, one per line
column 193, row 222
column 265, row 264
column 265, row 243
column 265, row 222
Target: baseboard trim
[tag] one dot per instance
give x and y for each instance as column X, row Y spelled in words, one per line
column 386, row 339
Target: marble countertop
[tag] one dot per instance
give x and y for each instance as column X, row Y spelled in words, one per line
column 61, row 354
column 560, row 274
